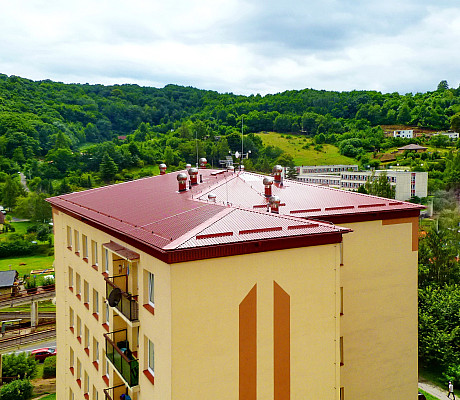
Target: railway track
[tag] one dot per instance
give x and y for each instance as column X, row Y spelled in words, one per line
column 31, row 337
column 25, row 315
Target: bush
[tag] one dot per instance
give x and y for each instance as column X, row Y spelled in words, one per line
column 453, row 373
column 16, row 390
column 20, row 364
column 49, row 367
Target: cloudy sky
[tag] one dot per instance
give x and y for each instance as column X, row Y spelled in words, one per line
column 244, row 47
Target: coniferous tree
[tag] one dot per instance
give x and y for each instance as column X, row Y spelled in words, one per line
column 108, row 168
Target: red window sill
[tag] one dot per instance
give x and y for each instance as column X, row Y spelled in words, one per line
column 149, row 376
column 105, row 274
column 79, row 382
column 96, row 365
column 85, row 259
column 341, row 364
column 96, row 315
column 86, row 396
column 79, row 296
column 149, row 308
column 106, row 327
column 72, row 370
column 95, row 267
column 86, row 305
column 69, row 247
column 106, row 380
column 71, row 288
column 72, row 329
column 77, row 253
column 79, row 339
column 86, row 351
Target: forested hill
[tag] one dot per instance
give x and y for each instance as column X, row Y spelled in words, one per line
column 53, row 131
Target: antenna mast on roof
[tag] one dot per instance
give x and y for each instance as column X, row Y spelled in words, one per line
column 196, row 144
column 242, row 136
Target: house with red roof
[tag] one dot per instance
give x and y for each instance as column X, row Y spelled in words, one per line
column 216, row 284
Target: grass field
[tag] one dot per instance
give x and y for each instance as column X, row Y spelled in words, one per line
column 43, row 306
column 294, row 145
column 31, row 262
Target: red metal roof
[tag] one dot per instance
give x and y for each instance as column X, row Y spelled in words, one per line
column 152, row 213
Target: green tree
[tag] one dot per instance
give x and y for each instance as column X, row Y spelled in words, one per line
column 455, row 122
column 19, row 365
column 379, row 186
column 62, row 141
column 443, row 85
column 12, row 189
column 404, row 116
column 108, row 168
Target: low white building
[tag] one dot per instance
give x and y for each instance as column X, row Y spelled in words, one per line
column 450, row 135
column 404, row 133
column 325, row 169
column 407, row 184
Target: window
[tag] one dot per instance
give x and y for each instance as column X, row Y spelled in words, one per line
column 151, row 289
column 79, row 370
column 71, row 396
column 341, row 301
column 107, row 313
column 69, row 237
column 87, row 339
column 86, row 293
column 95, row 393
column 85, row 247
column 94, row 253
column 78, row 279
column 71, row 359
column 95, row 350
column 151, row 360
column 341, row 350
column 106, row 260
column 342, row 393
column 79, row 329
column 71, row 319
column 86, row 383
column 95, row 303
column 70, row 278
column 77, row 241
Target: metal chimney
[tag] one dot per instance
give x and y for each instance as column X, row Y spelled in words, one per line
column 274, row 202
column 277, row 171
column 268, row 182
column 212, row 197
column 231, row 168
column 203, row 162
column 182, row 179
column 162, row 169
column 193, row 172
column 188, row 166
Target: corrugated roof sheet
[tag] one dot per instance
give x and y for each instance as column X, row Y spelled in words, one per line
column 153, row 212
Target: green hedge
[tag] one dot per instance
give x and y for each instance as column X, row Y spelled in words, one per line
column 49, row 367
column 17, row 390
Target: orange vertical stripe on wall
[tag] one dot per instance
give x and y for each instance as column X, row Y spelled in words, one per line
column 248, row 346
column 282, row 343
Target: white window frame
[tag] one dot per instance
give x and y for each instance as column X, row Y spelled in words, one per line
column 151, row 283
column 151, row 357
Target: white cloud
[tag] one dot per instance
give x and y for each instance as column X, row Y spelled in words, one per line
column 234, row 46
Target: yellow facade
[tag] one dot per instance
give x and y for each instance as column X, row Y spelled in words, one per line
column 195, row 321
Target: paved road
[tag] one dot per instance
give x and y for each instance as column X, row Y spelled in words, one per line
column 34, row 346
column 433, row 390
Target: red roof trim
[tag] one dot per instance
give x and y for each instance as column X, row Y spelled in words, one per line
column 305, row 211
column 273, row 229
column 303, row 226
column 339, row 208
column 371, row 205
column 213, row 235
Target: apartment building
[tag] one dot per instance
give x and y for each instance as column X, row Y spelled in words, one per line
column 234, row 286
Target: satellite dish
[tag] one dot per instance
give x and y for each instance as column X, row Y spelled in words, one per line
column 114, row 297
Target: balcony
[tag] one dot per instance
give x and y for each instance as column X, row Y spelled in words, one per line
column 121, row 357
column 115, row 392
column 128, row 304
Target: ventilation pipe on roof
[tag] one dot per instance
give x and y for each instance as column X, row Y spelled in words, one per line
column 274, row 202
column 203, row 162
column 193, row 172
column 231, row 168
column 242, row 168
column 277, row 171
column 162, row 169
column 182, row 179
column 188, row 166
column 268, row 182
column 212, row 197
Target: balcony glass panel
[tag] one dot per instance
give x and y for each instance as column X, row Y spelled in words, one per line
column 119, row 354
column 128, row 304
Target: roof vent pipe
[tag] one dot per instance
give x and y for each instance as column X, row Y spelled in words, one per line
column 182, row 179
column 162, row 169
column 188, row 166
column 277, row 171
column 242, row 168
column 231, row 168
column 268, row 182
column 212, row 197
column 203, row 162
column 274, row 202
column 193, row 172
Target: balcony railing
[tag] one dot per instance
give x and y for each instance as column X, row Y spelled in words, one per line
column 115, row 392
column 128, row 304
column 119, row 354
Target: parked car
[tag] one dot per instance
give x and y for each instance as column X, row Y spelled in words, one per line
column 41, row 354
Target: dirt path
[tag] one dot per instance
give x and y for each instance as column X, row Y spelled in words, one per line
column 436, row 391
